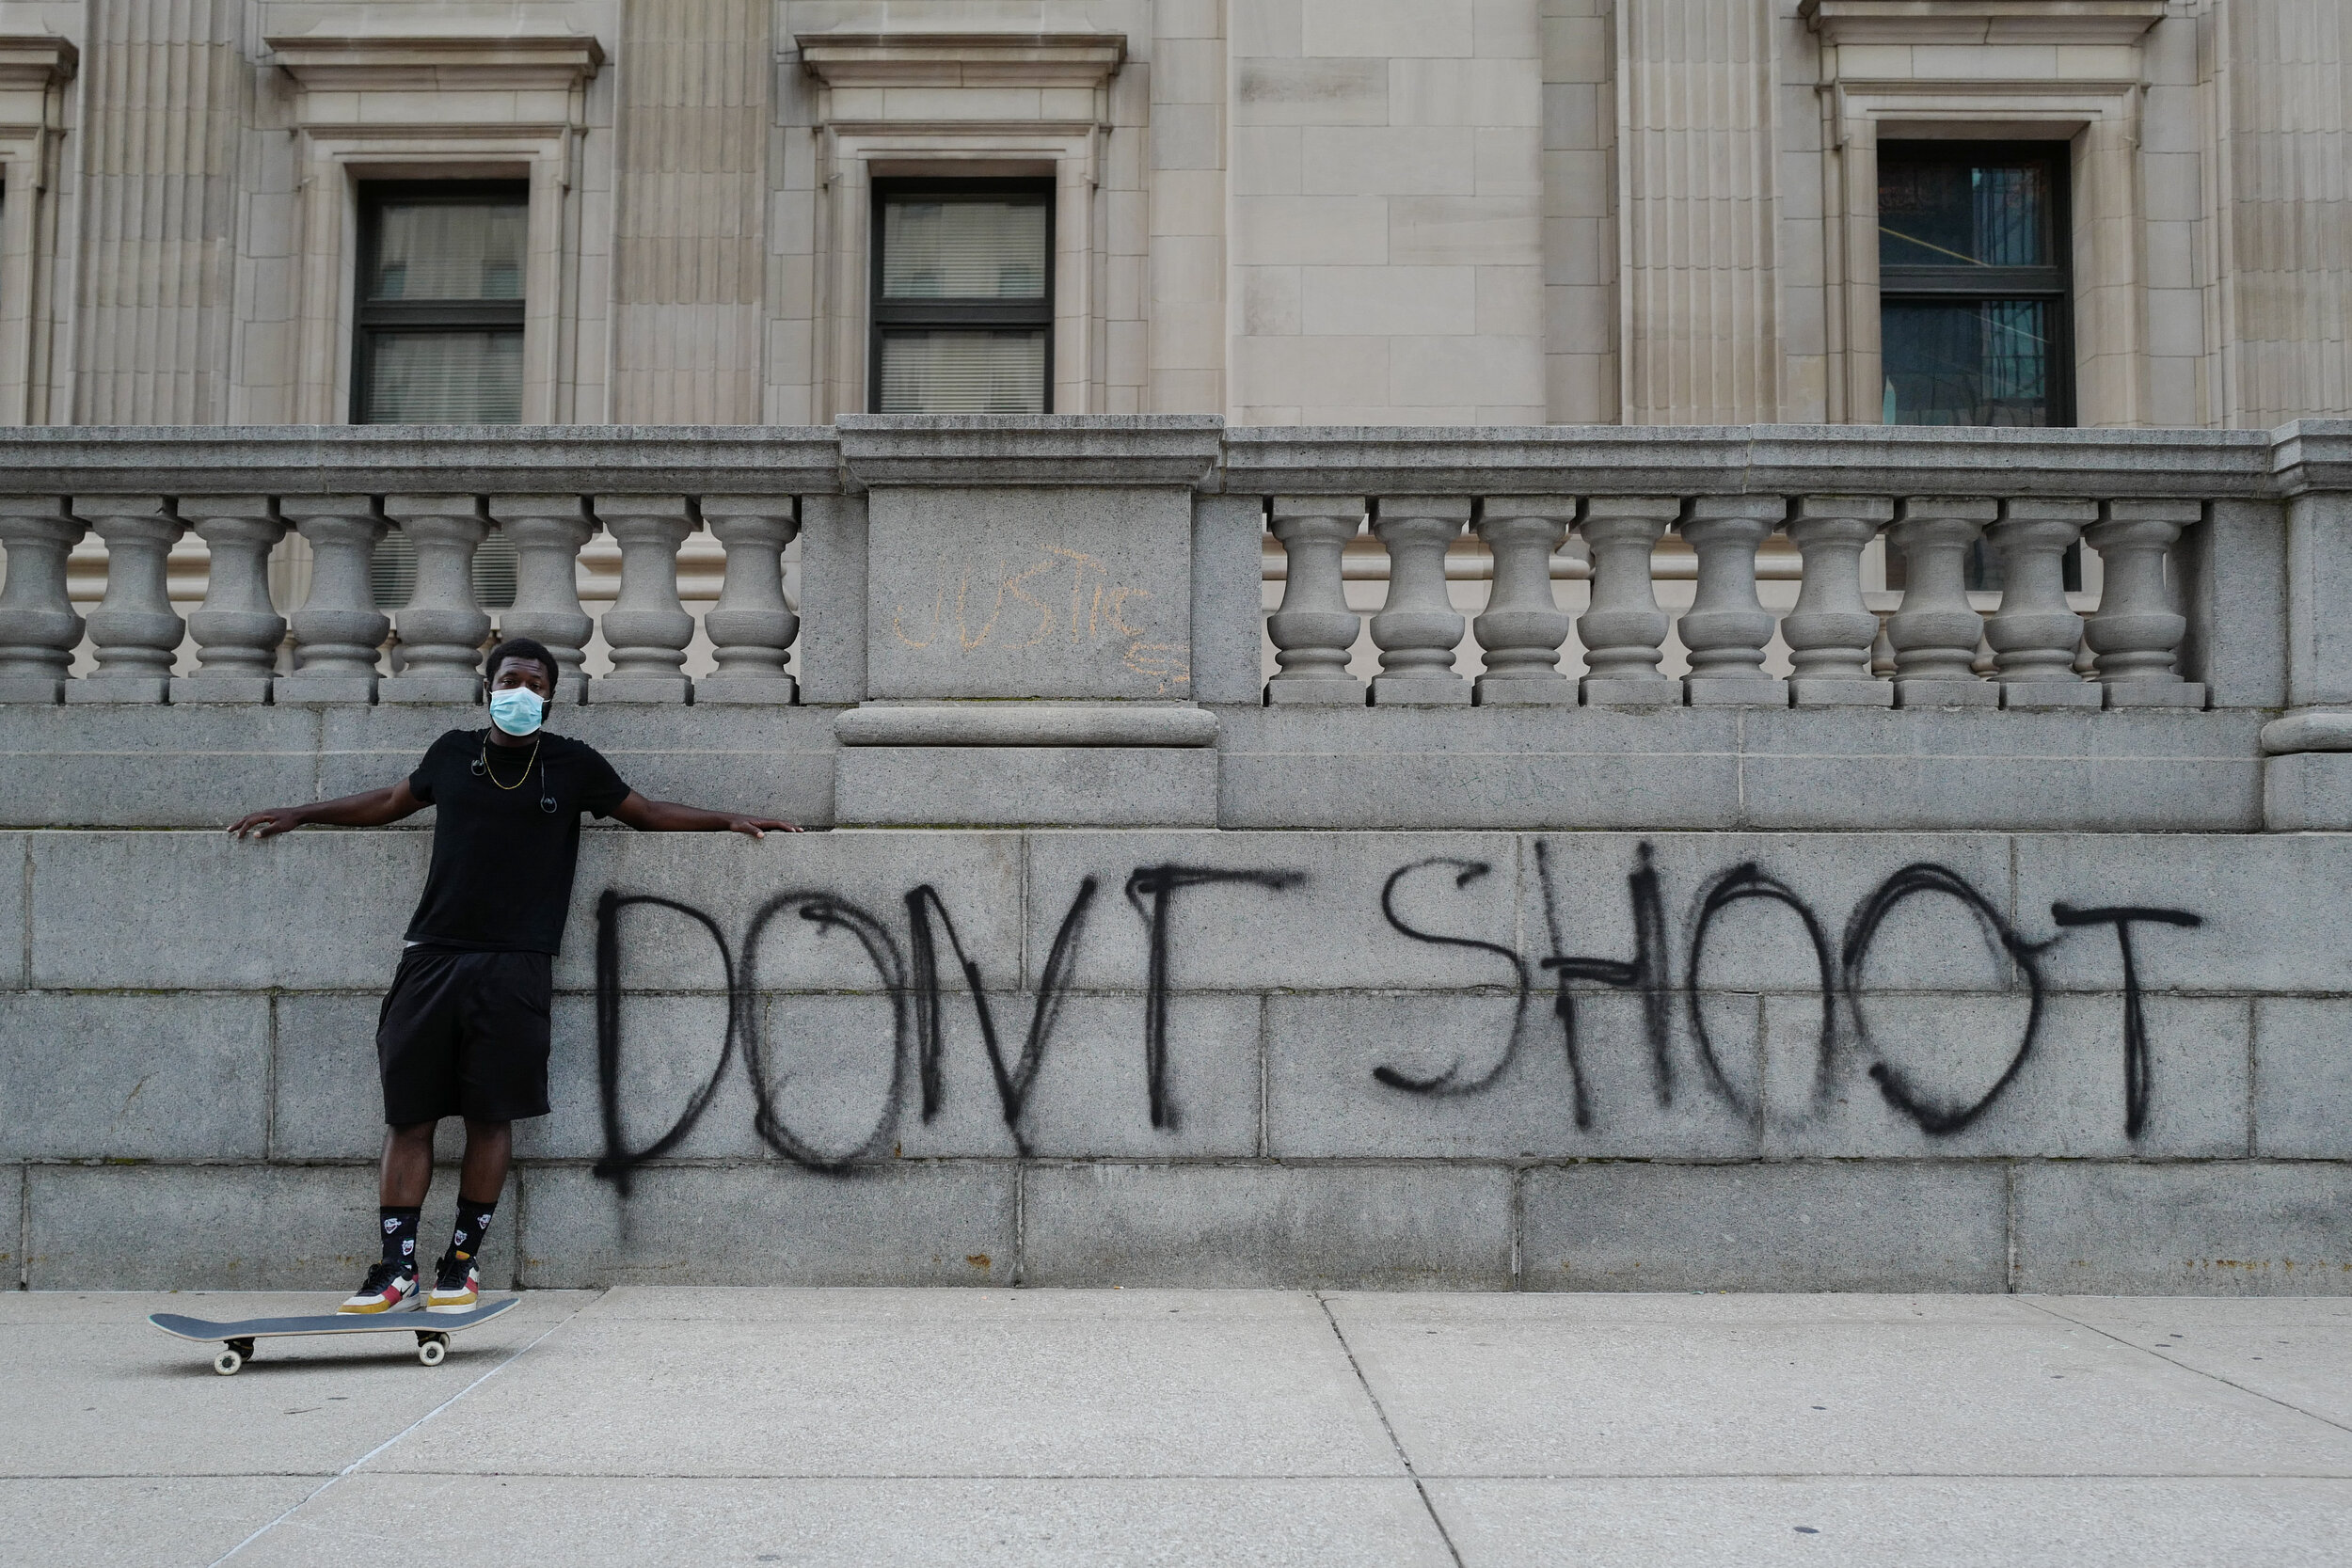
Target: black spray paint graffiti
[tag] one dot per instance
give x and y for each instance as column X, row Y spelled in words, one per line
column 911, row 980
column 917, row 1004
column 1840, row 980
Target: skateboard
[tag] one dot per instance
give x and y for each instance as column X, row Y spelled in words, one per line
column 430, row 1330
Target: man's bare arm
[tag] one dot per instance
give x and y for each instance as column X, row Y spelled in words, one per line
column 370, row 808
column 668, row 817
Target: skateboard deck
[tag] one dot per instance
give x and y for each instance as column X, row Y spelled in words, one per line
column 432, row 1330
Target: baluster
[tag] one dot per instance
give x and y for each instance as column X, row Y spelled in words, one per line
column 547, row 532
column 337, row 631
column 1831, row 630
column 1523, row 625
column 444, row 625
column 237, row 631
column 134, row 627
column 647, row 628
column 1727, row 626
column 2135, row 631
column 38, row 629
column 753, row 626
column 1417, row 629
column 1624, row 629
column 1935, row 632
column 1314, row 629
column 2033, row 634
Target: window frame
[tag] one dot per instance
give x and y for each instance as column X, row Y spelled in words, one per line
column 883, row 315
column 2052, row 283
column 370, row 317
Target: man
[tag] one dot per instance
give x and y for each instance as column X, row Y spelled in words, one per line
column 464, row 1030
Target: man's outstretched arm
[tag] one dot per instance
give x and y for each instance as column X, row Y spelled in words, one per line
column 668, row 817
column 371, row 808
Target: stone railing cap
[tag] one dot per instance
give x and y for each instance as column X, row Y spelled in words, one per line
column 1048, row 449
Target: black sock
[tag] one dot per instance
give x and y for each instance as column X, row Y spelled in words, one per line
column 473, row 1223
column 399, row 1236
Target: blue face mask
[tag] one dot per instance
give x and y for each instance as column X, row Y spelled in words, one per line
column 517, row 710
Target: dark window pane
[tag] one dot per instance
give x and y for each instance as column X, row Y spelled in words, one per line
column 963, row 248
column 447, row 249
column 1978, row 362
column 1937, row 213
column 957, row 371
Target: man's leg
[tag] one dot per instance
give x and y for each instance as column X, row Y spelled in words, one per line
column 406, row 1173
column 489, row 1149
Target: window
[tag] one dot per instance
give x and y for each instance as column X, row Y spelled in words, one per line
column 439, row 324
column 963, row 297
column 1974, row 322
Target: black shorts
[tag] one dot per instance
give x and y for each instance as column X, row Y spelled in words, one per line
column 465, row 1033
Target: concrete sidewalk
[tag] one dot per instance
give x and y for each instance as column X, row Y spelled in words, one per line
column 646, row 1426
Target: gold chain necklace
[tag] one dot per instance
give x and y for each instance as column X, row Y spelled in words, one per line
column 492, row 775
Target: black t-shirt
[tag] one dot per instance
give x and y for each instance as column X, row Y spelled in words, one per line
column 501, row 876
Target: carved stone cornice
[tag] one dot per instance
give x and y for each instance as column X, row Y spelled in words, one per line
column 964, row 59
column 1981, row 20
column 431, row 61
column 36, row 59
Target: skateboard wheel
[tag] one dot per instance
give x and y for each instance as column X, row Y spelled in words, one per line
column 227, row 1362
column 431, row 1349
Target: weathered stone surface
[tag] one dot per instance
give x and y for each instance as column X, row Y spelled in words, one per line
column 993, row 724
column 1250, row 912
column 1389, row 1226
column 328, row 1102
column 1483, row 1100
column 1837, row 1226
column 1228, row 630
column 2267, row 905
column 314, row 909
column 948, row 1223
column 2303, row 1078
column 1028, row 592
column 1054, row 786
column 2228, row 1228
column 250, row 1227
column 2069, row 1098
column 16, row 930
column 88, row 1076
column 730, row 879
column 127, row 765
column 2308, row 792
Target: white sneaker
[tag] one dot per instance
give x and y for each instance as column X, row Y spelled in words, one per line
column 385, row 1289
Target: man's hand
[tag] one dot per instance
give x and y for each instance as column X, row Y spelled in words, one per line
column 758, row 827
column 267, row 824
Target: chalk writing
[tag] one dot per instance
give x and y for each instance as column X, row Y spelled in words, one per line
column 1059, row 597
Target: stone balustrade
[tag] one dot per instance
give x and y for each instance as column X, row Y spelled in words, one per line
column 1933, row 569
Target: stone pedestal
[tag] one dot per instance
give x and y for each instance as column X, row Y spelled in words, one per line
column 1019, row 572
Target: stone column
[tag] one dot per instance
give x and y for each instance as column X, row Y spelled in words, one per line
column 2135, row 631
column 337, row 631
column 647, row 628
column 38, row 629
column 753, row 626
column 1935, row 633
column 1523, row 625
column 237, row 630
column 547, row 532
column 134, row 627
column 1831, row 630
column 1727, row 626
column 443, row 628
column 1314, row 629
column 1624, row 629
column 1417, row 629
column 2033, row 635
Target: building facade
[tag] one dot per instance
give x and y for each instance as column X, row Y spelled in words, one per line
column 2105, row 212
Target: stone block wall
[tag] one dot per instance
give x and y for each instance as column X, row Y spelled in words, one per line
column 1596, row 1060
